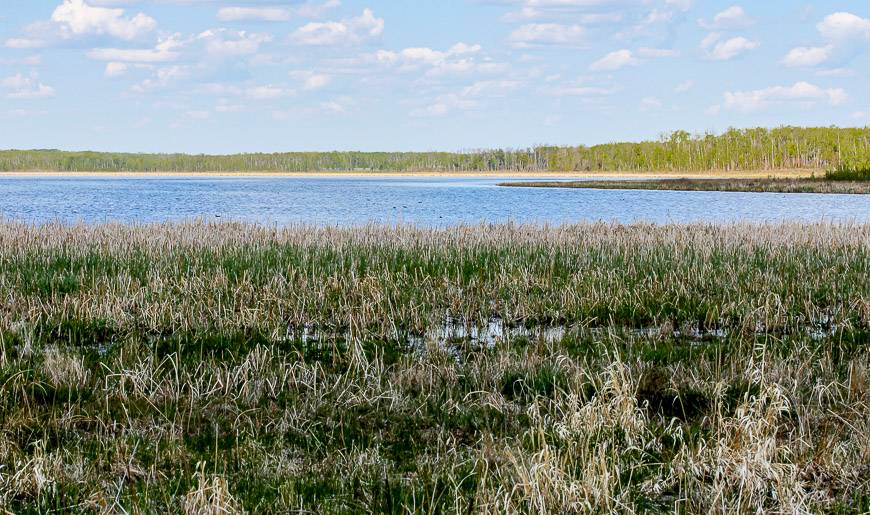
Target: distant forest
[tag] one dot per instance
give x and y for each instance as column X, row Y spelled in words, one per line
column 736, row 149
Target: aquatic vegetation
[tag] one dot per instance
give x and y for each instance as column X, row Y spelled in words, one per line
column 855, row 170
column 811, row 148
column 221, row 368
column 809, row 185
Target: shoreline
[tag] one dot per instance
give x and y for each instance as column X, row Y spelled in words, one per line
column 750, row 174
column 741, row 185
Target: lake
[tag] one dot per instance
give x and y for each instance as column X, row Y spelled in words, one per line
column 424, row 201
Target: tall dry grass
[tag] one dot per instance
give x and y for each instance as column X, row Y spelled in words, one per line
column 224, row 368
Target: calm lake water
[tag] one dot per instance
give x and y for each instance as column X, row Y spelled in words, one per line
column 424, row 201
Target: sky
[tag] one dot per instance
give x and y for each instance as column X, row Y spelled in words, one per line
column 227, row 76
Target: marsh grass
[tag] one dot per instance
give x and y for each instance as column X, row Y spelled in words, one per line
column 225, row 368
column 850, row 172
column 840, row 182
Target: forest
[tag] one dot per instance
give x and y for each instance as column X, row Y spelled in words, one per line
column 814, row 148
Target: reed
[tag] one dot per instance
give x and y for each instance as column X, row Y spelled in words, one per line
column 834, row 182
column 224, row 368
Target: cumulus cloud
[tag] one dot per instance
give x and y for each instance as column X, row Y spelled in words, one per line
column 338, row 105
column 844, row 25
column 457, row 59
column 77, row 18
column 74, row 19
column 166, row 50
column 808, row 56
column 490, row 88
column 470, row 97
column 614, row 61
column 542, row 34
column 311, row 80
column 724, row 50
column 163, row 77
column 348, row 31
column 268, row 92
column 19, row 86
column 115, row 69
column 25, row 43
column 228, row 43
column 731, row 18
column 800, row 92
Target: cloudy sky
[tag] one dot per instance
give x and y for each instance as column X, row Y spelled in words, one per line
column 270, row 75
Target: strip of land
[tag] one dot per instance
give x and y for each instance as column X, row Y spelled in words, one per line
column 563, row 175
column 591, row 368
column 767, row 185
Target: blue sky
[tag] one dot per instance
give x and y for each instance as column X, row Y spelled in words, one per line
column 269, row 75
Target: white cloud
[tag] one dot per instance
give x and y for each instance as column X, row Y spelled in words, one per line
column 32, row 60
column 540, row 34
column 731, row 18
column 163, row 77
column 21, row 87
column 25, row 43
column 349, row 31
column 459, row 58
column 338, row 105
column 808, row 56
column 728, row 49
column 614, row 61
column 166, row 50
column 115, row 69
column 268, row 92
column 800, row 92
column 843, row 25
column 254, row 14
column 469, row 97
column 227, row 43
column 490, row 88
column 311, row 80
column 77, row 18
column 710, row 40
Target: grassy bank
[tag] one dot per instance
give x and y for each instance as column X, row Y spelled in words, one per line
column 492, row 369
column 736, row 185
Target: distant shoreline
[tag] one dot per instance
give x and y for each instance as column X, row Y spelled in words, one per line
column 740, row 185
column 748, row 174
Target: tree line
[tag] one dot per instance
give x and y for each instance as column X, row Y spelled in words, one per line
column 735, row 149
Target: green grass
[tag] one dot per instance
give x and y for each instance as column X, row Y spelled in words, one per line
column 642, row 368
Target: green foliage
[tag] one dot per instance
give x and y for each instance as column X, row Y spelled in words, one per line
column 853, row 170
column 736, row 149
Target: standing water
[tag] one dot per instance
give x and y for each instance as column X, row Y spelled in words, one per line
column 433, row 201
